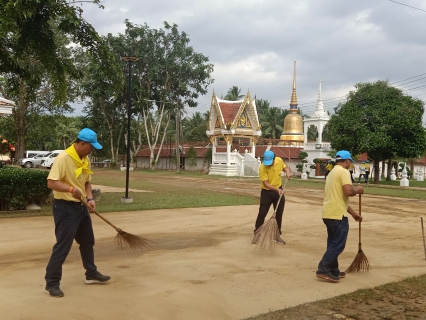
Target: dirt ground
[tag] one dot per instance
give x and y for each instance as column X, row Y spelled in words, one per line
column 203, row 265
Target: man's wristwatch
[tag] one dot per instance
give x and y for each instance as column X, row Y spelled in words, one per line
column 90, row 199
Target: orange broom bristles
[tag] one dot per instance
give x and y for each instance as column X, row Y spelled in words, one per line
column 360, row 262
column 124, row 240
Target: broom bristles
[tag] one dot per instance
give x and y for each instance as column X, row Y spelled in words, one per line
column 127, row 241
column 360, row 263
column 268, row 234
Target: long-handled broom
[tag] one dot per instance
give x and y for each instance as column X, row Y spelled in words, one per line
column 268, row 233
column 123, row 239
column 360, row 262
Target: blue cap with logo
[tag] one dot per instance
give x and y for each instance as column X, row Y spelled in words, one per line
column 344, row 155
column 88, row 135
column 268, row 157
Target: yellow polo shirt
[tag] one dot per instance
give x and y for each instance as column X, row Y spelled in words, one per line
column 335, row 203
column 272, row 173
column 63, row 169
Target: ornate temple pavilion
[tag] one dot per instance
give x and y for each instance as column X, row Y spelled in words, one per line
column 233, row 124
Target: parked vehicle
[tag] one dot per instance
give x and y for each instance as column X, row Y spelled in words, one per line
column 47, row 163
column 32, row 153
column 33, row 161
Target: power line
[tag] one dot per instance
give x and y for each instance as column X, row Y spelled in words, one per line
column 410, row 78
column 343, row 97
column 407, row 5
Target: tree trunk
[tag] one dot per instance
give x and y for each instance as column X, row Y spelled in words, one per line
column 383, row 168
column 389, row 170
column 376, row 171
column 19, row 117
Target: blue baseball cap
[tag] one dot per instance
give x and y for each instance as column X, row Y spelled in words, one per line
column 89, row 135
column 268, row 157
column 344, row 155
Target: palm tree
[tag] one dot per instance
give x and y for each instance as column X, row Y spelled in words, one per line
column 262, row 107
column 67, row 129
column 272, row 122
column 196, row 126
column 234, row 94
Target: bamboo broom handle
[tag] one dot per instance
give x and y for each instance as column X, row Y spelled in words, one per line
column 98, row 214
column 359, row 210
column 278, row 203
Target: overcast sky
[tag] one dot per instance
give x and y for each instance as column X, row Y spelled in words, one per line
column 252, row 43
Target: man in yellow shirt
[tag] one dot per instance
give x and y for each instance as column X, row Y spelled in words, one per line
column 271, row 184
column 367, row 171
column 362, row 169
column 351, row 171
column 69, row 178
column 338, row 189
column 328, row 168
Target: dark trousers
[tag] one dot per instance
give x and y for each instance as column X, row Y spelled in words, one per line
column 367, row 175
column 337, row 231
column 326, row 173
column 72, row 221
column 352, row 177
column 268, row 197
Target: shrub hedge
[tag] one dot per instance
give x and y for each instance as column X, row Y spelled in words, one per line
column 19, row 187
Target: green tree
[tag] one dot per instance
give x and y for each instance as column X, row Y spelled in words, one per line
column 28, row 31
column 312, row 133
column 191, row 157
column 234, row 94
column 272, row 122
column 168, row 76
column 37, row 64
column 104, row 86
column 380, row 120
column 262, row 106
column 195, row 127
column 67, row 129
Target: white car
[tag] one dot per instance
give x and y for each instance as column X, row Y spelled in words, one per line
column 47, row 163
column 33, row 161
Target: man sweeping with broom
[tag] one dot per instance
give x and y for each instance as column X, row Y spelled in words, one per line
column 271, row 183
column 69, row 179
column 338, row 189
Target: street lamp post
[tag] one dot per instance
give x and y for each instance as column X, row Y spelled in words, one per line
column 129, row 60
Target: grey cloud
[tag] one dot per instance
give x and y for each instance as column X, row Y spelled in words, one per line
column 339, row 42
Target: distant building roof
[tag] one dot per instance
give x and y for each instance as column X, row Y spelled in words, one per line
column 6, row 106
column 280, row 151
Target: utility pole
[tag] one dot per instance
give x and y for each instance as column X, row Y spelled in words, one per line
column 177, row 139
column 129, row 60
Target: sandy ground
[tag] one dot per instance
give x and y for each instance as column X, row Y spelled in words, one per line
column 203, row 265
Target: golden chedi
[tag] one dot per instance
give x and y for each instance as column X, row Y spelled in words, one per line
column 293, row 122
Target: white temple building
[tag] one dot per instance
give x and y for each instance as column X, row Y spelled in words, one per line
column 317, row 149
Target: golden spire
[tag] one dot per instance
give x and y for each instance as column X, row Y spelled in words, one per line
column 293, row 122
column 293, row 93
